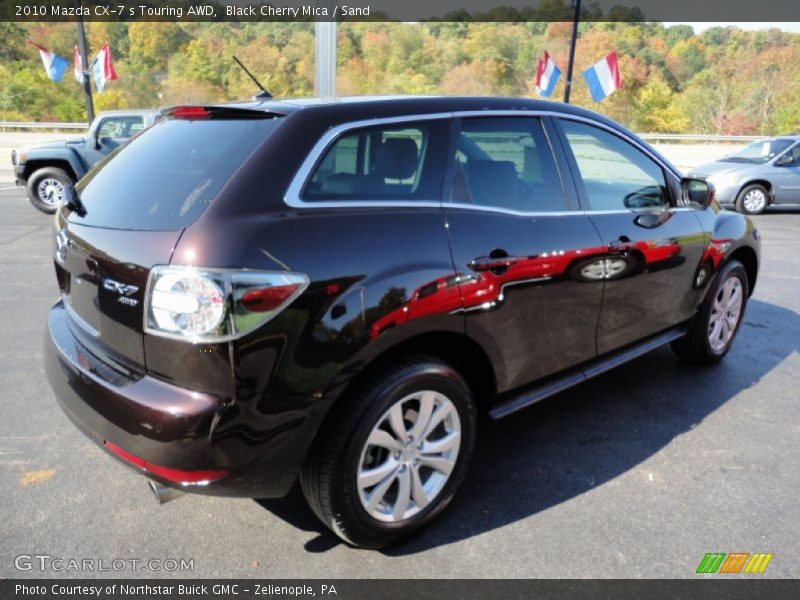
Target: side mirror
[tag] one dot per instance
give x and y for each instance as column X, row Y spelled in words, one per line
column 697, row 192
column 785, row 160
column 96, row 140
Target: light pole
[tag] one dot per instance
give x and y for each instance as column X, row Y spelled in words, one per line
column 325, row 44
column 568, row 85
column 87, row 86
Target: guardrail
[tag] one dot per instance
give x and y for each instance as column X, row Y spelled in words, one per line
column 666, row 137
column 4, row 125
column 699, row 137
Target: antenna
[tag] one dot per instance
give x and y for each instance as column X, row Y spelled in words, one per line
column 264, row 94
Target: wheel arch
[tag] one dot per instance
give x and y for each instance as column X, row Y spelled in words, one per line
column 460, row 351
column 59, row 163
column 747, row 256
column 765, row 183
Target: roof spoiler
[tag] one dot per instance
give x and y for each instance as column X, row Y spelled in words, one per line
column 198, row 112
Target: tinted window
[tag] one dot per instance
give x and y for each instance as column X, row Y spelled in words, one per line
column 615, row 174
column 393, row 162
column 760, row 152
column 506, row 163
column 427, row 290
column 165, row 178
column 120, row 127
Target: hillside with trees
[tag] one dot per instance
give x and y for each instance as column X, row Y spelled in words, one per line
column 722, row 81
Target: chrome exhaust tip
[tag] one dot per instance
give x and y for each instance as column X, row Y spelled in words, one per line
column 164, row 493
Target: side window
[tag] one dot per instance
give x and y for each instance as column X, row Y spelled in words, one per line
column 135, row 127
column 393, row 162
column 108, row 128
column 615, row 174
column 506, row 163
column 120, row 127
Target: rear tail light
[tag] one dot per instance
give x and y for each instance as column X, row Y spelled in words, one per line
column 215, row 305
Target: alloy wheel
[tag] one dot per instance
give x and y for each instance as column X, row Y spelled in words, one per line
column 725, row 314
column 755, row 201
column 50, row 191
column 409, row 456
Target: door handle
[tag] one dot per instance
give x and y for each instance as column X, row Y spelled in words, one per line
column 621, row 244
column 488, row 263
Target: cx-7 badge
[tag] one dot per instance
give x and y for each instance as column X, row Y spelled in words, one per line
column 124, row 291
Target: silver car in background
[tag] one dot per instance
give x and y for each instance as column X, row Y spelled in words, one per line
column 763, row 173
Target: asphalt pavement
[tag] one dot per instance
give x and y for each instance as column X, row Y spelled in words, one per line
column 638, row 473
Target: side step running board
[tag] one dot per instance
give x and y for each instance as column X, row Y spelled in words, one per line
column 591, row 370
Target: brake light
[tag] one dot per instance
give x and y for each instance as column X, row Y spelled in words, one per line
column 215, row 305
column 172, row 475
column 189, row 112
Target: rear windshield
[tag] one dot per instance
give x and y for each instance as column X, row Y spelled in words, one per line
column 166, row 177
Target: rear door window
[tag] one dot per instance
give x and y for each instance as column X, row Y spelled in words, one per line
column 166, row 177
column 506, row 163
column 390, row 162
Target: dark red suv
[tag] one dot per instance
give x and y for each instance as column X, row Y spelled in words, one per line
column 336, row 290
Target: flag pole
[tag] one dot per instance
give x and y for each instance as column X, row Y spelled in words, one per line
column 573, row 41
column 87, row 86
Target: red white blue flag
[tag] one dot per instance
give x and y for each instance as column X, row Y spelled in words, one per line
column 547, row 74
column 78, row 68
column 54, row 64
column 103, row 68
column 603, row 77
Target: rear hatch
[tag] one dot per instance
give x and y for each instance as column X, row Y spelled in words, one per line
column 135, row 205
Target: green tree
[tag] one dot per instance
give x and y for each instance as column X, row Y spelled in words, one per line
column 13, row 37
column 656, row 110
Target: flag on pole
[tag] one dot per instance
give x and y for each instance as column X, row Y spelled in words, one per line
column 78, row 69
column 103, row 68
column 54, row 64
column 603, row 77
column 547, row 74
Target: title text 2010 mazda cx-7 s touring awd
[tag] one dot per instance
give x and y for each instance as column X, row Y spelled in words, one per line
column 256, row 292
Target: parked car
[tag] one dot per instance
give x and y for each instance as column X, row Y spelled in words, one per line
column 763, row 173
column 44, row 169
column 336, row 290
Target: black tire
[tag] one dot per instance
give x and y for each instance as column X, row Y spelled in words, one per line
column 36, row 178
column 695, row 346
column 329, row 476
column 740, row 204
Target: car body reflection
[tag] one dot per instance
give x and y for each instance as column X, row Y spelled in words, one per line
column 484, row 290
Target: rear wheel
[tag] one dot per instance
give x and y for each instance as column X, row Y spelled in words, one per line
column 717, row 323
column 752, row 200
column 45, row 188
column 392, row 454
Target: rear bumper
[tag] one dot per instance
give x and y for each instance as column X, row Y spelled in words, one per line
column 157, row 422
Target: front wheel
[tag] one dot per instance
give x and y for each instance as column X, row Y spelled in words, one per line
column 718, row 320
column 393, row 453
column 752, row 200
column 45, row 188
